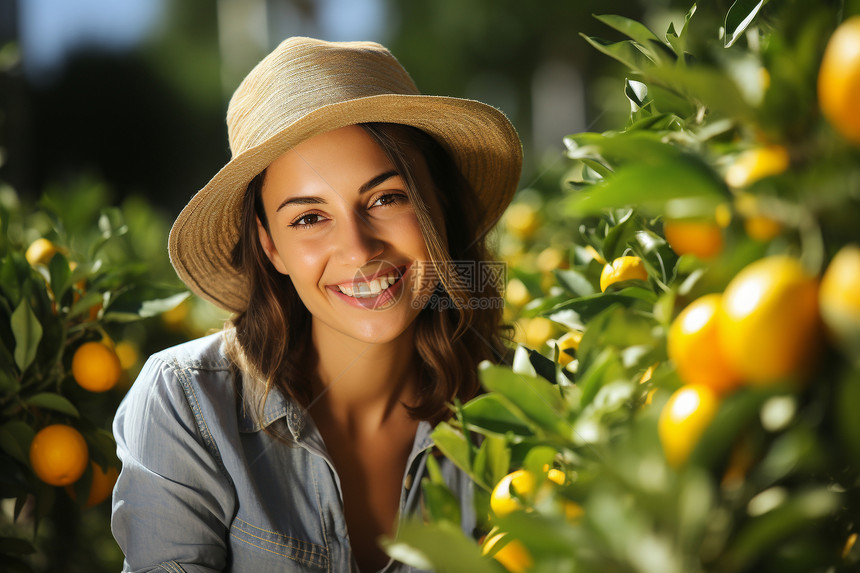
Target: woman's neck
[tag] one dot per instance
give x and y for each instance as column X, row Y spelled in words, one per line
column 359, row 385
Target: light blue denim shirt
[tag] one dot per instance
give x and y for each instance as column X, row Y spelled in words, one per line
column 204, row 488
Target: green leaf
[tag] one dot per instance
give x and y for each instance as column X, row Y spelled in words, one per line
column 799, row 512
column 846, row 414
column 536, row 398
column 574, row 282
column 625, row 52
column 28, row 333
column 739, row 17
column 619, row 236
column 637, row 93
column 589, row 306
column 490, row 413
column 645, row 39
column 8, row 382
column 679, row 180
column 441, row 504
column 456, row 448
column 60, row 273
column 439, row 547
column 143, row 302
column 15, row 438
column 493, row 459
column 54, row 402
column 85, row 303
column 9, row 280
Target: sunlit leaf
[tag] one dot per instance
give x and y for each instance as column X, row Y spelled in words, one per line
column 489, row 412
column 625, row 52
column 539, row 400
column 739, row 17
column 438, row 546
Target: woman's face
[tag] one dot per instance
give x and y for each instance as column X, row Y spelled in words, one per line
column 341, row 226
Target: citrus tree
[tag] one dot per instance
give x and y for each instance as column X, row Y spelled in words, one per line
column 688, row 311
column 69, row 282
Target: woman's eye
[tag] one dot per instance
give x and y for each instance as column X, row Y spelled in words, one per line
column 389, row 199
column 307, row 220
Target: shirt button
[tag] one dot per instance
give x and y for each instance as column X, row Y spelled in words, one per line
column 407, row 483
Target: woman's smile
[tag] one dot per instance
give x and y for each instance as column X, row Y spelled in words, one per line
column 376, row 291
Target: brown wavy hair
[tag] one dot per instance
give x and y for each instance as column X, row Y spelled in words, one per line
column 455, row 331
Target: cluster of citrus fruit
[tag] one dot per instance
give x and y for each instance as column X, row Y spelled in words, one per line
column 59, row 454
column 518, row 491
column 764, row 329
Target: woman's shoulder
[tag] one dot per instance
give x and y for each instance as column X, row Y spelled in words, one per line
column 208, row 353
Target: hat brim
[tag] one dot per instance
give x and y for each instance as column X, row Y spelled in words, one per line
column 479, row 138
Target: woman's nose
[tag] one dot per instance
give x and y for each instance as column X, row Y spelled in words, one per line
column 359, row 240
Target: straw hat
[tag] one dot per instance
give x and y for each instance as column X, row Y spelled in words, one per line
column 307, row 87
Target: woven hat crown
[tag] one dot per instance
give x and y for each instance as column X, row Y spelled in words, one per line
column 303, row 75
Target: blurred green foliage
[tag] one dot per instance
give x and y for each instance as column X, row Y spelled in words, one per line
column 772, row 482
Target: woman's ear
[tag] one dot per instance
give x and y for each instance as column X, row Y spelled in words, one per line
column 270, row 249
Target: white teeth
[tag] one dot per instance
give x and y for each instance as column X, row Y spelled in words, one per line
column 371, row 288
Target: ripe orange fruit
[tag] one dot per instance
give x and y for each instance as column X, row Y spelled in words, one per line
column 694, row 346
column 101, row 487
column 622, row 269
column 40, row 252
column 839, row 80
column 59, row 454
column 96, row 367
column 521, row 220
column 839, row 299
column 502, row 501
column 757, row 163
column 683, row 420
column 769, row 320
column 511, row 553
column 701, row 238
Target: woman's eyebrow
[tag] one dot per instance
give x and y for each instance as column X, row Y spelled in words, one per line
column 312, row 200
column 378, row 180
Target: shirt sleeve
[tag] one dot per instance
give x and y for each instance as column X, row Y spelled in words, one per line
column 173, row 501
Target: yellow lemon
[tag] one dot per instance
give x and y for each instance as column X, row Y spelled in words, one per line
column 550, row 259
column 511, row 553
column 502, row 500
column 695, row 349
column 768, row 324
column 516, row 293
column 684, row 418
column 839, row 80
column 703, row 239
column 755, row 164
column 521, row 220
column 41, row 251
column 570, row 341
column 622, row 269
column 592, row 252
column 539, row 331
column 839, row 299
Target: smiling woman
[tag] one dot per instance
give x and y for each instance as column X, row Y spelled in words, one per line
column 347, row 235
